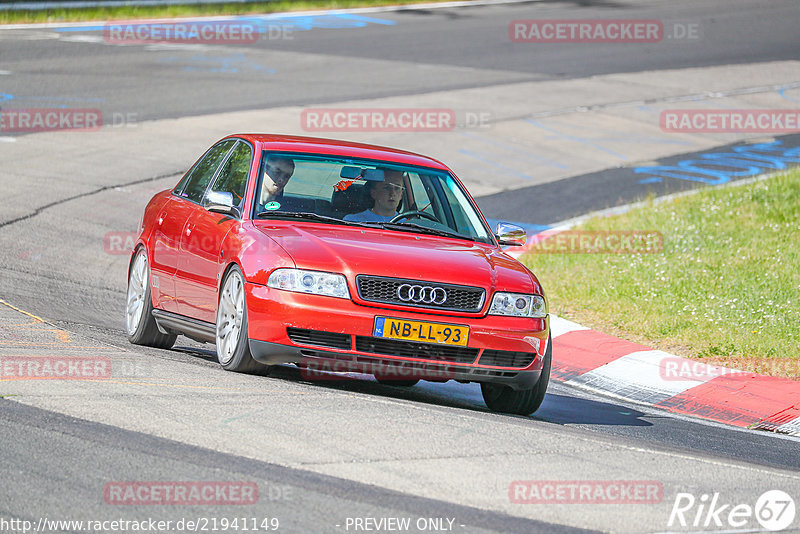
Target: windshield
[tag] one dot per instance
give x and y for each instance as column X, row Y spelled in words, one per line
column 366, row 192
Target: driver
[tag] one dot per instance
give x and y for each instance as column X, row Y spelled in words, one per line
column 277, row 172
column 386, row 194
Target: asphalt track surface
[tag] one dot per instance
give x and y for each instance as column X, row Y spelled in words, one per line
column 353, row 449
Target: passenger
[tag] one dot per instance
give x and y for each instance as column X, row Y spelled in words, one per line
column 386, row 194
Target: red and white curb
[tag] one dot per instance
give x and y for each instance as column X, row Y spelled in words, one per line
column 604, row 363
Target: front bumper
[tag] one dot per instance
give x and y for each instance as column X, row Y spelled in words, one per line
column 273, row 313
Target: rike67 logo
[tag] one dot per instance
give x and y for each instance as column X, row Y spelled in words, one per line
column 774, row 510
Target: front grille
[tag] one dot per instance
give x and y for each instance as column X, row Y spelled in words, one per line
column 410, row 349
column 506, row 358
column 319, row 338
column 384, row 290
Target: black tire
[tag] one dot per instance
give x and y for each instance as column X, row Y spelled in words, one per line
column 503, row 399
column 241, row 360
column 395, row 382
column 145, row 332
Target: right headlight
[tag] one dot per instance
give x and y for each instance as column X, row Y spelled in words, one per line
column 518, row 305
column 316, row 282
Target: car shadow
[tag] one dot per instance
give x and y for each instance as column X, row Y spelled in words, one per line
column 566, row 409
column 558, row 408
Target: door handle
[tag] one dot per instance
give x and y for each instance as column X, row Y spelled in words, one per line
column 189, row 228
column 161, row 217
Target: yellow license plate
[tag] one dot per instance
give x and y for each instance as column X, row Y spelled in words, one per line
column 422, row 331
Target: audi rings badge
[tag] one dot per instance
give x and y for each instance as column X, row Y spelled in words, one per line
column 421, row 294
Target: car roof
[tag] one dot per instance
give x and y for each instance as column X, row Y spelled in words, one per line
column 316, row 145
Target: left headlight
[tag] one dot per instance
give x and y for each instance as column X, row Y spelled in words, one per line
column 518, row 305
column 316, row 282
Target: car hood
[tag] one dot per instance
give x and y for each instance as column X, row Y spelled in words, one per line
column 354, row 250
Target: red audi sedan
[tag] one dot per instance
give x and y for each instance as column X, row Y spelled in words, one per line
column 336, row 256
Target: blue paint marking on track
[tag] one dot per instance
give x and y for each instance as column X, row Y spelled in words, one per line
column 721, row 167
column 329, row 21
column 782, row 93
column 6, row 97
column 63, row 99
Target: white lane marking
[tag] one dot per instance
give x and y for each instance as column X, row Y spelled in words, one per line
column 559, row 326
column 640, row 376
column 5, row 72
column 82, row 38
column 8, row 139
column 792, row 427
column 27, row 36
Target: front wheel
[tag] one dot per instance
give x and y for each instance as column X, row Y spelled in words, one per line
column 139, row 322
column 233, row 344
column 500, row 398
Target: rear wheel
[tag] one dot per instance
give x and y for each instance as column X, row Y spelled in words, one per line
column 139, row 322
column 500, row 398
column 233, row 344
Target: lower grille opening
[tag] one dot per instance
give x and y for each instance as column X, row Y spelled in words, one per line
column 507, row 358
column 492, row 372
column 409, row 349
column 319, row 338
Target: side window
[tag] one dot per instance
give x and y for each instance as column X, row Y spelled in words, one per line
column 233, row 176
column 204, row 171
column 421, row 197
column 467, row 222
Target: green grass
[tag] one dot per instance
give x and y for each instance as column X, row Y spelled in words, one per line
column 725, row 289
column 133, row 12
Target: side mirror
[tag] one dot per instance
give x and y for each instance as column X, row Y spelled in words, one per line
column 510, row 234
column 220, row 202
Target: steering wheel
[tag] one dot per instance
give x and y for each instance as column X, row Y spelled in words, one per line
column 413, row 213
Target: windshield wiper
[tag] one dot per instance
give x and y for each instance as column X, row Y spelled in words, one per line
column 423, row 230
column 312, row 217
column 404, row 227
